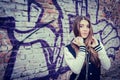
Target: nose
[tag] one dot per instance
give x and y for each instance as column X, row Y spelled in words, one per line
column 85, row 28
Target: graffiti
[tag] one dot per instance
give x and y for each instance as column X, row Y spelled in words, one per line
column 48, row 52
column 111, row 11
column 38, row 55
column 103, row 29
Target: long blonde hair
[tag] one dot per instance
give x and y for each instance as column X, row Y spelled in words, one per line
column 94, row 56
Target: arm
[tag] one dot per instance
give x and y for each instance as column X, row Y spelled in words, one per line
column 75, row 64
column 105, row 61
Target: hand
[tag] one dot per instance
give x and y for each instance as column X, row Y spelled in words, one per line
column 78, row 41
column 94, row 42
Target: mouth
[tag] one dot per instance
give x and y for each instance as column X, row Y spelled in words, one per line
column 85, row 33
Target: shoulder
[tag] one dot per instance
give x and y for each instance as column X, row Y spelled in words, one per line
column 68, row 48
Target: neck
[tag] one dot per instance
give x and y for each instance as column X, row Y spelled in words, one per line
column 84, row 39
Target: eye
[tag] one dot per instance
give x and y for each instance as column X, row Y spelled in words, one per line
column 80, row 26
column 88, row 26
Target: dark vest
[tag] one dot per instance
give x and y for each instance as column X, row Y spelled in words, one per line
column 93, row 71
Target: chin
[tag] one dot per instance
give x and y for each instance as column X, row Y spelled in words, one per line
column 84, row 36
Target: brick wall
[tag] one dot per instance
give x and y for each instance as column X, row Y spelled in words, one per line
column 31, row 48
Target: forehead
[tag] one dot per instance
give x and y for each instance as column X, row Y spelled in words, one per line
column 85, row 22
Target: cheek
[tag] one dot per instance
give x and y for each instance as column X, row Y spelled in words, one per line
column 88, row 30
column 80, row 31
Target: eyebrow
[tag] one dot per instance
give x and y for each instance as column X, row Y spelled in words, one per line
column 83, row 24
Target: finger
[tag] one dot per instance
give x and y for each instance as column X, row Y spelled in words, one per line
column 76, row 39
column 74, row 42
column 93, row 37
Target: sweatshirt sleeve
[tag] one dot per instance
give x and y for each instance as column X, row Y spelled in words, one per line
column 104, row 59
column 75, row 64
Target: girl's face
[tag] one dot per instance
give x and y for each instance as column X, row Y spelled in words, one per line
column 84, row 28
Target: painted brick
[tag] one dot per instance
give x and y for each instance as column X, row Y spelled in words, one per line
column 31, row 60
column 6, row 0
column 21, row 1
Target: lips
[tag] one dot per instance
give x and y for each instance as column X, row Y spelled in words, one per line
column 85, row 33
